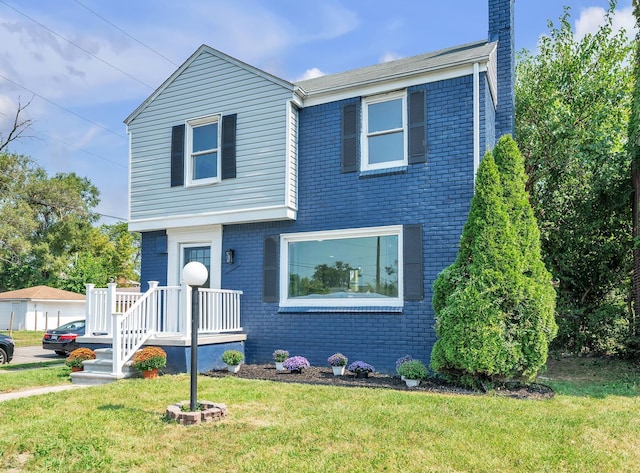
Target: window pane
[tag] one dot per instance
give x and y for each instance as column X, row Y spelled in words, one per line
column 364, row 267
column 386, row 148
column 202, row 254
column 205, row 137
column 205, row 165
column 385, row 115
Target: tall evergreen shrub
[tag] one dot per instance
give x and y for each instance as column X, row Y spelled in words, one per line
column 494, row 305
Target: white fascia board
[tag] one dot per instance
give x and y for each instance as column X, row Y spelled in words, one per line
column 265, row 214
column 378, row 87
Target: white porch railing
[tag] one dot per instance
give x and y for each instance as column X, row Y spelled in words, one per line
column 130, row 319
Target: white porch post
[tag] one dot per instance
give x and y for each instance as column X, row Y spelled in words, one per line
column 116, row 335
column 117, row 343
column 89, row 315
column 185, row 310
column 111, row 297
column 154, row 324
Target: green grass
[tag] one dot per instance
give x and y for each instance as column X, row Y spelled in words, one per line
column 592, row 425
column 18, row 377
column 26, row 338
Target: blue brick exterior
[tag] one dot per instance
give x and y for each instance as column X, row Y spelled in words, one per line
column 501, row 14
column 153, row 264
column 436, row 194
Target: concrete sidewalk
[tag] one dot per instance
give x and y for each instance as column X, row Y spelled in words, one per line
column 36, row 391
column 23, row 355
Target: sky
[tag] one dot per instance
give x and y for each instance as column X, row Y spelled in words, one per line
column 85, row 65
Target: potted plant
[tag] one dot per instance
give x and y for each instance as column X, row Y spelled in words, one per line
column 361, row 369
column 233, row 358
column 338, row 362
column 78, row 356
column 149, row 360
column 413, row 371
column 400, row 361
column 279, row 356
column 296, row 364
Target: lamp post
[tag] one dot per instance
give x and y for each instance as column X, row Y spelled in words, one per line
column 194, row 274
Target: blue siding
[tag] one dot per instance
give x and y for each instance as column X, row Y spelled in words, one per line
column 153, row 265
column 436, row 194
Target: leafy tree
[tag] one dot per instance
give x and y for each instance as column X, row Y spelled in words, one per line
column 572, row 110
column 633, row 148
column 494, row 304
column 47, row 233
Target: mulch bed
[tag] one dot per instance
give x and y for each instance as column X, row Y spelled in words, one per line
column 324, row 376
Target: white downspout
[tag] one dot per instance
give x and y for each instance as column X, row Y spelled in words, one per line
column 476, row 119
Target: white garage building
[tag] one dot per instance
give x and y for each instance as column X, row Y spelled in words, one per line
column 40, row 308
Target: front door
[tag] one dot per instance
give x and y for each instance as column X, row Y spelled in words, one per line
column 201, row 254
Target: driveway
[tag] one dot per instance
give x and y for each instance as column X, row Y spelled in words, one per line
column 33, row 355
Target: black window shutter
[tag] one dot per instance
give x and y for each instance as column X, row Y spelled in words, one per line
column 270, row 270
column 229, row 146
column 417, row 128
column 350, row 138
column 177, row 156
column 413, row 273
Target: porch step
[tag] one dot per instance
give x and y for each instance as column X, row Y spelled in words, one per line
column 99, row 371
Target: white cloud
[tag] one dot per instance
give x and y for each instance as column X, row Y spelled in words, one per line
column 390, row 56
column 592, row 18
column 7, row 113
column 311, row 74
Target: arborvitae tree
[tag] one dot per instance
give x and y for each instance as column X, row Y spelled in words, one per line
column 532, row 306
column 494, row 305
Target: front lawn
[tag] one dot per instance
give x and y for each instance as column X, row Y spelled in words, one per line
column 282, row 427
column 26, row 338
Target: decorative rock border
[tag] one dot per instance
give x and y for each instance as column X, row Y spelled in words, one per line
column 210, row 411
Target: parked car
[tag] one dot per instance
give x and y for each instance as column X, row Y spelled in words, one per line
column 6, row 348
column 63, row 339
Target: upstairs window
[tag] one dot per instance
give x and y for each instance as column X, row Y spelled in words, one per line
column 384, row 131
column 203, row 163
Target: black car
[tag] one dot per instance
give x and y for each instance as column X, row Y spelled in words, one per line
column 63, row 339
column 6, row 348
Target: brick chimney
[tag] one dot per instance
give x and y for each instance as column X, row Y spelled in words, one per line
column 501, row 30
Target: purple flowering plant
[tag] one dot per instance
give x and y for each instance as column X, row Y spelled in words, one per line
column 402, row 360
column 280, row 355
column 337, row 359
column 296, row 363
column 361, row 367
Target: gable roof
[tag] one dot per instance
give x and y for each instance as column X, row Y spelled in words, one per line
column 42, row 293
column 448, row 58
column 204, row 49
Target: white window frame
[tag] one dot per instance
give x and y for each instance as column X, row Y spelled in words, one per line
column 364, row 135
column 188, row 172
column 286, row 238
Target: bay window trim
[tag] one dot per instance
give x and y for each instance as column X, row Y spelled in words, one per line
column 286, row 238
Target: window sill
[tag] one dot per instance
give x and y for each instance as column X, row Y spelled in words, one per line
column 384, row 172
column 341, row 310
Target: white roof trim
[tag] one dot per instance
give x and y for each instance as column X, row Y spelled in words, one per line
column 265, row 214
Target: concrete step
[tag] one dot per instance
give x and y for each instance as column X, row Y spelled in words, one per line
column 90, row 378
column 99, row 371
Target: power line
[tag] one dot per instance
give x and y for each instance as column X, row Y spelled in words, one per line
column 61, row 107
column 77, row 46
column 127, row 34
column 84, row 150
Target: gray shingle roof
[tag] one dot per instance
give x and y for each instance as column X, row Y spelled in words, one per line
column 414, row 65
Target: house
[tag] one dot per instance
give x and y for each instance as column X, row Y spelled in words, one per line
column 39, row 308
column 325, row 207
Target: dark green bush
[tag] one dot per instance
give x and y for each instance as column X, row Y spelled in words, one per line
column 494, row 305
